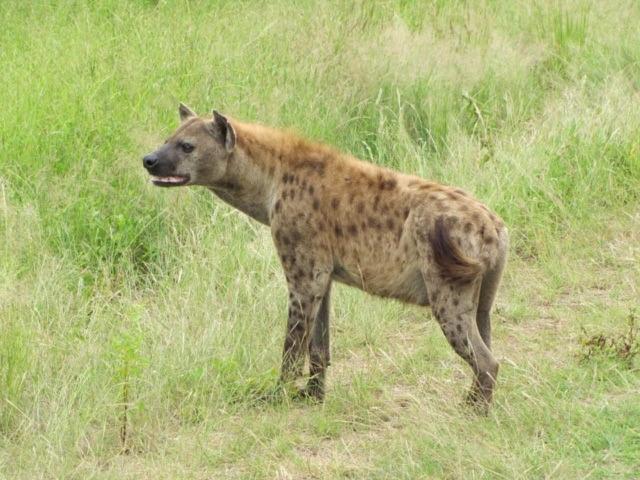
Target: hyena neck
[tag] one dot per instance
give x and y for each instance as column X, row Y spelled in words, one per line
column 249, row 183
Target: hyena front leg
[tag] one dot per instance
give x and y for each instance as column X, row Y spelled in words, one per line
column 301, row 311
column 307, row 289
column 319, row 350
column 307, row 263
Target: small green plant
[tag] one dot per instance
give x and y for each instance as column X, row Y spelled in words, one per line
column 127, row 363
column 622, row 346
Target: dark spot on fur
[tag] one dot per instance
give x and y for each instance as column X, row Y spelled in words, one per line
column 292, row 194
column 374, row 223
column 488, row 240
column 303, row 184
column 360, row 207
column 295, row 237
column 316, row 204
column 315, row 166
column 278, row 205
column 459, row 328
column 335, row 203
column 338, row 230
column 388, row 184
column 468, row 227
column 463, row 208
column 285, row 240
column 352, row 229
column 456, row 302
column 461, row 192
column 284, row 195
column 376, row 200
column 390, row 224
column 311, row 189
column 440, row 205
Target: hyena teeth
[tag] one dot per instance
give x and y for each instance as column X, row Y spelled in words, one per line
column 168, row 179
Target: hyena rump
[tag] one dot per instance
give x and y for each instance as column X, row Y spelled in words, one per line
column 334, row 217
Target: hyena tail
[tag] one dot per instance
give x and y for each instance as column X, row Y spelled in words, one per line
column 454, row 265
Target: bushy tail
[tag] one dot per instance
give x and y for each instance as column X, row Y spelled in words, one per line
column 454, row 265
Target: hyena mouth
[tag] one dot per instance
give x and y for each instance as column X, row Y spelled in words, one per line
column 170, row 181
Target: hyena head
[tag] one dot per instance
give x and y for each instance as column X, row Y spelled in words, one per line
column 197, row 153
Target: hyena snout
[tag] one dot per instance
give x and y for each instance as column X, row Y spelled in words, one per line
column 149, row 161
column 163, row 171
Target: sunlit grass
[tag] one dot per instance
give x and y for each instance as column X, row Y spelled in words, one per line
column 116, row 294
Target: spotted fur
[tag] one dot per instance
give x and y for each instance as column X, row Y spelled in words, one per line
column 336, row 218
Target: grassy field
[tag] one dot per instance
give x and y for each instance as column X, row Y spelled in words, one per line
column 139, row 326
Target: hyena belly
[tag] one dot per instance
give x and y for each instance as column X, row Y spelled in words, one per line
column 383, row 261
column 407, row 285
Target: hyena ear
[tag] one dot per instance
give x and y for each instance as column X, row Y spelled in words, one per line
column 227, row 130
column 185, row 112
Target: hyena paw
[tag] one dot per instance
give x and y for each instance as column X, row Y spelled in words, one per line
column 477, row 401
column 313, row 391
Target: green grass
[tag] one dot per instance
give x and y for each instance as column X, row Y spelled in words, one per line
column 115, row 295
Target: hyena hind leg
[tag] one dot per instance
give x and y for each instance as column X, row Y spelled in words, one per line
column 456, row 314
column 488, row 289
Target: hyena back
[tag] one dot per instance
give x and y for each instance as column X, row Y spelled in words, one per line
column 334, row 217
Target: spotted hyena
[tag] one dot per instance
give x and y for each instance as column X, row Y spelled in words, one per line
column 334, row 217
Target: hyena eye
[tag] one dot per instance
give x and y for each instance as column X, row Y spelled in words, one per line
column 186, row 147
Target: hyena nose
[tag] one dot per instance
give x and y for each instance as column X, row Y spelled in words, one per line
column 150, row 161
